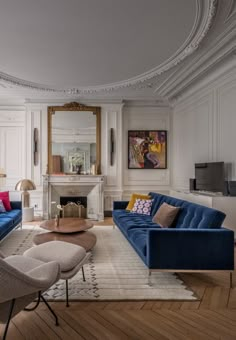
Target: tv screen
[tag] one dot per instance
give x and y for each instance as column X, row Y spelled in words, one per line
column 210, row 176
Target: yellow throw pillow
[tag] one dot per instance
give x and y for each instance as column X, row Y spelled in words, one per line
column 133, row 199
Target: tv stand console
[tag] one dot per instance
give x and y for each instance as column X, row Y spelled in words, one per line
column 226, row 204
column 207, row 193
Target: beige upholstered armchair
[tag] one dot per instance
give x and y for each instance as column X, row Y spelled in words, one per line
column 22, row 279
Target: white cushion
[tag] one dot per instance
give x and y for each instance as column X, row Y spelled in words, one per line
column 22, row 264
column 68, row 255
column 70, row 273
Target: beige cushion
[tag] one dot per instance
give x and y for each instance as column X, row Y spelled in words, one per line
column 165, row 215
column 20, row 263
column 68, row 255
column 70, row 273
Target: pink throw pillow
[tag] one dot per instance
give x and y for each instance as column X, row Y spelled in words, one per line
column 4, row 196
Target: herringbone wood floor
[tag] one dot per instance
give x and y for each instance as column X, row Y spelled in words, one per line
column 213, row 317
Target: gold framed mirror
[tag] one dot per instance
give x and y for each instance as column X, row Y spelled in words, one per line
column 74, row 130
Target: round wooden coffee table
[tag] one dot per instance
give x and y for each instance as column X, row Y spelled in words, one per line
column 70, row 229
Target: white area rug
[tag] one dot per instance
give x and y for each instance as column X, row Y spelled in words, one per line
column 115, row 271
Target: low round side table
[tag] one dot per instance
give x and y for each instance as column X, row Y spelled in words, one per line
column 28, row 214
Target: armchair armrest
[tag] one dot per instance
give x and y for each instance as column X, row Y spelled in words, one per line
column 190, row 249
column 16, row 205
column 120, row 204
column 24, row 283
column 2, row 256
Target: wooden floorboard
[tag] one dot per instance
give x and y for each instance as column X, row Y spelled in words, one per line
column 213, row 316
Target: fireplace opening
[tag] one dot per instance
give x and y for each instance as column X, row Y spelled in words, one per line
column 73, row 206
column 75, row 199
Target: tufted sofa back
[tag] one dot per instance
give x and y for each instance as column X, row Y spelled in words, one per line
column 191, row 215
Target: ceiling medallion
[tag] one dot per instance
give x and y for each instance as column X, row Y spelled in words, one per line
column 206, row 10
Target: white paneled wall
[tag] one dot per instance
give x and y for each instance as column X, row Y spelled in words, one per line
column 204, row 127
column 226, row 116
column 12, row 146
column 201, row 128
column 111, row 118
column 16, row 133
column 145, row 117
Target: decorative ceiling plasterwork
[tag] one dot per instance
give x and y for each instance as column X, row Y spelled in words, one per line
column 206, row 10
column 221, row 50
column 232, row 10
column 205, row 13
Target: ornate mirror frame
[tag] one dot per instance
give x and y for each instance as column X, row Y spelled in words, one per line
column 74, row 106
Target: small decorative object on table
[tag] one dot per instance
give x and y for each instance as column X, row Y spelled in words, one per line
column 57, row 217
column 78, row 168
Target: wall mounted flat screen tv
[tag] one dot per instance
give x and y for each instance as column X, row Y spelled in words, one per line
column 210, row 176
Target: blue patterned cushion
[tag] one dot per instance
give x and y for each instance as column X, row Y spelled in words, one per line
column 142, row 206
column 2, row 208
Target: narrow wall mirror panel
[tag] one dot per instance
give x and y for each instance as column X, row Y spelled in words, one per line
column 74, row 139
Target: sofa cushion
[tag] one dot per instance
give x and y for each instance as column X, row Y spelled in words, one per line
column 142, row 206
column 4, row 196
column 130, row 221
column 2, row 208
column 6, row 224
column 14, row 214
column 133, row 199
column 191, row 215
column 165, row 215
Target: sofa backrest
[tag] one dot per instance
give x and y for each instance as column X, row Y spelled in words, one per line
column 191, row 215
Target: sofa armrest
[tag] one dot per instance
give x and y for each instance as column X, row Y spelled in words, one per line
column 16, row 205
column 120, row 204
column 190, row 249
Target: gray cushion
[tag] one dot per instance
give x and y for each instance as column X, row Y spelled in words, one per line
column 68, row 255
column 165, row 215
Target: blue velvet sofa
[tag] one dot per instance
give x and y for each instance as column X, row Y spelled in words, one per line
column 195, row 241
column 10, row 219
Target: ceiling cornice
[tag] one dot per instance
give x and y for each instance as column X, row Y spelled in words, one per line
column 223, row 49
column 206, row 10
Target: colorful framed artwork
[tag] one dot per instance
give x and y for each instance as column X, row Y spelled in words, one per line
column 147, row 149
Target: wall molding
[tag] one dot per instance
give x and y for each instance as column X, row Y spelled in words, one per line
column 212, row 103
column 208, row 83
column 221, row 52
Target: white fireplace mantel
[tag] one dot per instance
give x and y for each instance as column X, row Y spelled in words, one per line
column 90, row 186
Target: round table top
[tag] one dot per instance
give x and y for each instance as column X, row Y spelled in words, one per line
column 67, row 225
column 85, row 239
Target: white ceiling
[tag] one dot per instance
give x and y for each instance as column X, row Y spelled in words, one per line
column 116, row 48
